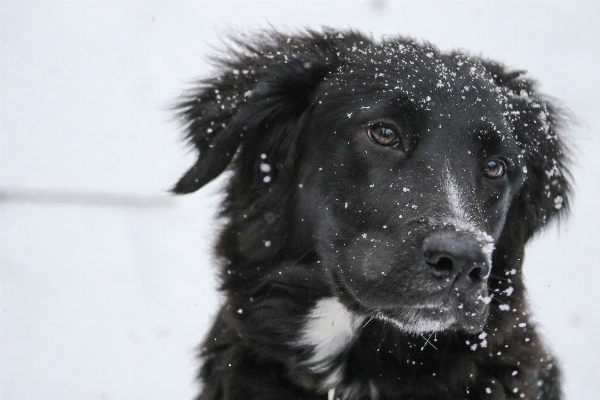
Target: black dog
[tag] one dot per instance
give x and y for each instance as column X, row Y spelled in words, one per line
column 380, row 201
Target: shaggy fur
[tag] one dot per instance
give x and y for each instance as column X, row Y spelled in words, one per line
column 381, row 197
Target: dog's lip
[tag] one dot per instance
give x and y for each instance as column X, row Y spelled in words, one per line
column 423, row 319
column 441, row 317
column 447, row 311
column 428, row 309
column 345, row 293
column 451, row 314
column 444, row 302
column 441, row 306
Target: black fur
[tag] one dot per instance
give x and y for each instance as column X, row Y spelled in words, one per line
column 317, row 209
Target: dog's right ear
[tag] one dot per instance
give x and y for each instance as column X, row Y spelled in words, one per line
column 538, row 127
column 265, row 82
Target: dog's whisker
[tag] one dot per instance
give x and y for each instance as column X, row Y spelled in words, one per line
column 427, row 341
column 384, row 328
column 499, row 278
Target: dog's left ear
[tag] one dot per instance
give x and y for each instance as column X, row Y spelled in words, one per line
column 263, row 88
column 539, row 127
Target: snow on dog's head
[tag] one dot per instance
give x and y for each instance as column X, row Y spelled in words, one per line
column 407, row 173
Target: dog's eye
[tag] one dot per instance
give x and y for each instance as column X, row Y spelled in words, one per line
column 384, row 135
column 495, row 169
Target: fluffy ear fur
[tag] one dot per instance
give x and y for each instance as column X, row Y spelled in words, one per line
column 538, row 130
column 247, row 118
column 262, row 89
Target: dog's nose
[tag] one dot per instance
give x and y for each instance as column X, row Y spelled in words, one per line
column 456, row 259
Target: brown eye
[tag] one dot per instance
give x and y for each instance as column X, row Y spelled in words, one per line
column 384, row 135
column 495, row 169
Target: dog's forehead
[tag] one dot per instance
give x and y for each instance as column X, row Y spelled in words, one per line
column 417, row 62
column 424, row 76
column 451, row 89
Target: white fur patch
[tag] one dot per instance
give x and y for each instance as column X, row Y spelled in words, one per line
column 331, row 394
column 459, row 210
column 329, row 329
column 460, row 216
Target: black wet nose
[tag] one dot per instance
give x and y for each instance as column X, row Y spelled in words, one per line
column 456, row 259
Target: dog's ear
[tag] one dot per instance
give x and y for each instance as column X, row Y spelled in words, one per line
column 264, row 82
column 539, row 130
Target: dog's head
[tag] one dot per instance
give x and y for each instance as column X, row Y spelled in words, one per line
column 410, row 174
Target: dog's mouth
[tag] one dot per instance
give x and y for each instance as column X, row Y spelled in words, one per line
column 436, row 318
column 467, row 313
column 419, row 319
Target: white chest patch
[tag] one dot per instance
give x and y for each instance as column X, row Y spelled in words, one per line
column 329, row 329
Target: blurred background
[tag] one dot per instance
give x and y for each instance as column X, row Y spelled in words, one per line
column 107, row 280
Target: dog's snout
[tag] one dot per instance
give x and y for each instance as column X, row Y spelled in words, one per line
column 456, row 260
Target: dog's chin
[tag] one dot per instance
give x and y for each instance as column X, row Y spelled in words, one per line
column 465, row 316
column 419, row 319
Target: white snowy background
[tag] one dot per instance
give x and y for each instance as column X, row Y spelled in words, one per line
column 107, row 281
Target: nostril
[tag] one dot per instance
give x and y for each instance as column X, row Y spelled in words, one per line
column 443, row 266
column 455, row 260
column 476, row 275
column 479, row 273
